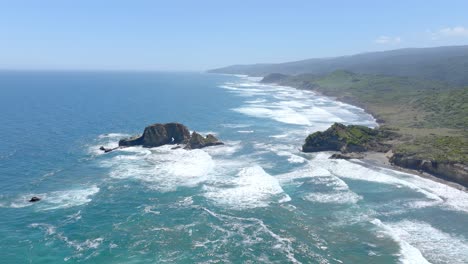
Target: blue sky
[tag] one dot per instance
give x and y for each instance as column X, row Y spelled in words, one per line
column 198, row 35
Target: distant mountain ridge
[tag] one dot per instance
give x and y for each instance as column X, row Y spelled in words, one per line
column 448, row 64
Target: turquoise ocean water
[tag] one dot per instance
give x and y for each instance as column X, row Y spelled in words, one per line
column 257, row 199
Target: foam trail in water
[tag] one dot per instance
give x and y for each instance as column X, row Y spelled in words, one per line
column 162, row 168
column 292, row 106
column 408, row 253
column 436, row 246
column 252, row 231
column 56, row 199
column 252, row 187
column 437, row 194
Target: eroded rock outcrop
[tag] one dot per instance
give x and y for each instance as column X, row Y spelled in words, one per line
column 348, row 139
column 171, row 133
column 198, row 141
column 347, row 156
column 452, row 171
column 159, row 134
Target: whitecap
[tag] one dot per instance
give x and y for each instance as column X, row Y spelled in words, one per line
column 235, row 125
column 162, row 168
column 408, row 253
column 114, row 135
column 56, row 199
column 346, row 197
column 245, row 131
column 436, row 194
column 68, row 198
column 252, row 187
column 436, row 245
column 251, row 231
column 281, row 114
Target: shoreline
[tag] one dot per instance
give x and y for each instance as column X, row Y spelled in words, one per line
column 379, row 158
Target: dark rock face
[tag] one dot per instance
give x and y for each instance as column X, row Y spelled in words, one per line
column 198, row 141
column 171, row 133
column 107, row 149
column 347, row 139
column 346, row 156
column 455, row 172
column 159, row 134
column 34, row 199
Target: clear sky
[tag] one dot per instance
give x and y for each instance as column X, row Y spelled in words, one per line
column 198, row 35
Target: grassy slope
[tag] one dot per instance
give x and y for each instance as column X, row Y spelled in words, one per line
column 448, row 64
column 430, row 116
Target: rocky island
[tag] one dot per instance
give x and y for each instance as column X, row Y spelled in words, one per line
column 157, row 135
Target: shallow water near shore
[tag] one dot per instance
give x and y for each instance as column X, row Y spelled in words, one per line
column 257, row 199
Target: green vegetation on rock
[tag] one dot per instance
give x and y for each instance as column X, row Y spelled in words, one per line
column 348, row 139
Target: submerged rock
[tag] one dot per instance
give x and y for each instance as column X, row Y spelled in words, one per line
column 34, row 199
column 107, row 149
column 198, row 141
column 159, row 134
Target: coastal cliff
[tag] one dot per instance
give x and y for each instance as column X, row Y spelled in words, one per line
column 352, row 140
column 428, row 120
column 348, row 139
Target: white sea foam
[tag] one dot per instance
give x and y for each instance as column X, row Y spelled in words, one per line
column 333, row 198
column 282, row 150
column 281, row 114
column 437, row 194
column 236, row 125
column 149, row 209
column 56, row 199
column 292, row 106
column 335, row 190
column 252, row 231
column 162, row 168
column 208, row 132
column 292, row 158
column 229, row 148
column 408, row 253
column 252, row 187
column 68, row 198
column 308, row 171
column 279, row 136
column 51, row 232
column 436, row 245
column 114, row 135
column 245, row 131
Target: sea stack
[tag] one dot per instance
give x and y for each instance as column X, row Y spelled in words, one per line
column 171, row 133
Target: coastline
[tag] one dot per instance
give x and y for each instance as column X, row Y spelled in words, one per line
column 382, row 160
column 379, row 158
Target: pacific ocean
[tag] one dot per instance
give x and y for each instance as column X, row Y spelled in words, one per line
column 257, row 199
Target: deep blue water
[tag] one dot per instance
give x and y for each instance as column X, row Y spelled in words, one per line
column 257, row 199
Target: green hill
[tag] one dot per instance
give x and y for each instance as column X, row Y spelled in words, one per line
column 448, row 64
